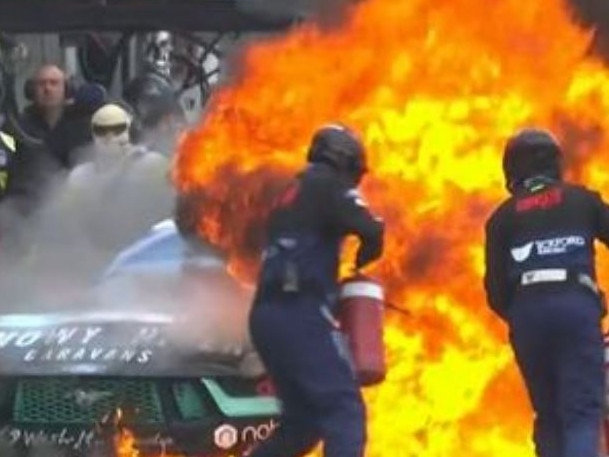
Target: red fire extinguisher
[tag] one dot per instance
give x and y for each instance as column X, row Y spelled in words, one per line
column 361, row 318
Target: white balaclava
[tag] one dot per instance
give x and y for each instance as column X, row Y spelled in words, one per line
column 110, row 128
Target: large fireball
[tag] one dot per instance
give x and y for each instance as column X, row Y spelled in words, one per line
column 435, row 87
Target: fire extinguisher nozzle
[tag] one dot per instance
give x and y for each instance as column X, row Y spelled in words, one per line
column 399, row 309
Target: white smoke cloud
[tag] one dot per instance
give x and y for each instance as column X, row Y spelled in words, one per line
column 59, row 248
column 54, row 260
column 209, row 306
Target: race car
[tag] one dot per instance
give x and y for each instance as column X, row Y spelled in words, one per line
column 159, row 348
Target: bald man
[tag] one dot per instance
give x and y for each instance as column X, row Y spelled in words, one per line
column 47, row 115
column 49, row 93
column 60, row 125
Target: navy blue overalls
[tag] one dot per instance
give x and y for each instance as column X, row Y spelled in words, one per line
column 541, row 280
column 559, row 349
column 304, row 352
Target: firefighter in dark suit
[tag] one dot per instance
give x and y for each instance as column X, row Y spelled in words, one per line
column 291, row 321
column 541, row 279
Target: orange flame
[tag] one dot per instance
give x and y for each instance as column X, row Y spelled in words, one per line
column 435, row 88
column 125, row 444
column 124, row 440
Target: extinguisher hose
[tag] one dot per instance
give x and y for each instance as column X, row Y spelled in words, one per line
column 397, row 309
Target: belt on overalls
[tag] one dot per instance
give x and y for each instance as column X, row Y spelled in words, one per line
column 557, row 276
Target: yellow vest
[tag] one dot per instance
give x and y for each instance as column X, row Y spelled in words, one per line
column 7, row 148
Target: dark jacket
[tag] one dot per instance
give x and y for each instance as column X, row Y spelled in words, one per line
column 551, row 228
column 307, row 226
column 36, row 166
column 71, row 131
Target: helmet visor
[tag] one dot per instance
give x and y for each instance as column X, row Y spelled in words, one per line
column 106, row 130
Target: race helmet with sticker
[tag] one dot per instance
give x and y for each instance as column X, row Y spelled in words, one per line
column 529, row 153
column 110, row 129
column 341, row 148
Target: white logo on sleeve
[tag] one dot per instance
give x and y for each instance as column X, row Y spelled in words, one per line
column 356, row 196
column 521, row 253
column 225, row 436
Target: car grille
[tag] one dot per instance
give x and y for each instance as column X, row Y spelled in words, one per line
column 68, row 401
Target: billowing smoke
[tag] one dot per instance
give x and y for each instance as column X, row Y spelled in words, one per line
column 209, row 307
column 53, row 260
column 54, row 245
column 594, row 14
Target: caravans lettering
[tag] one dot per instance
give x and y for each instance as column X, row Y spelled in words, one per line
column 89, row 355
column 87, row 344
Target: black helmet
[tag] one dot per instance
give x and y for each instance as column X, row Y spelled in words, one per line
column 341, row 148
column 530, row 152
column 152, row 98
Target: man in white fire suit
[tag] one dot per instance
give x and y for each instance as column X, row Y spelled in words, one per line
column 124, row 189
